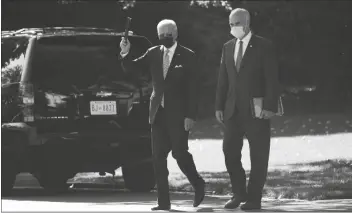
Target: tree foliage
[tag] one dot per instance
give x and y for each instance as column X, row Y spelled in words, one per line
column 11, row 75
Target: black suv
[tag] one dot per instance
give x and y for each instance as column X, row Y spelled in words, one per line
column 68, row 107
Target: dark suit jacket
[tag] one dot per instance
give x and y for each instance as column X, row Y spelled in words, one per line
column 180, row 87
column 257, row 77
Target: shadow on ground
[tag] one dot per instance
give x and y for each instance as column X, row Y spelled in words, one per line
column 285, row 126
column 116, row 197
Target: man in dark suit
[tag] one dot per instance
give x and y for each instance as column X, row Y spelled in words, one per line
column 248, row 70
column 173, row 106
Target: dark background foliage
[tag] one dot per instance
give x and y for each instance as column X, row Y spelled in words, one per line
column 312, row 37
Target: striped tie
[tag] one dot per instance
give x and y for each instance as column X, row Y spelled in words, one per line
column 239, row 56
column 166, row 64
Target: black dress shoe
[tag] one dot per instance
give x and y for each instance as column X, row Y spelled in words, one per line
column 251, row 206
column 234, row 202
column 156, row 208
column 199, row 194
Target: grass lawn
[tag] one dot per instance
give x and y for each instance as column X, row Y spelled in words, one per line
column 315, row 180
column 331, row 179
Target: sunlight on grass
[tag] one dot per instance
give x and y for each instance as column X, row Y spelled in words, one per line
column 327, row 179
column 316, row 180
column 330, row 179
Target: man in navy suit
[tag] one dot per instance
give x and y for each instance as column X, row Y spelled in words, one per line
column 173, row 106
column 248, row 69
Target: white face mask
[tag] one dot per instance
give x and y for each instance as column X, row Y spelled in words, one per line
column 238, row 32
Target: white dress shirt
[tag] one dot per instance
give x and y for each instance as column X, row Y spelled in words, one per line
column 171, row 51
column 245, row 40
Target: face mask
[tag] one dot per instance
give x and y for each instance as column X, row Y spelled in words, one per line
column 167, row 41
column 238, row 32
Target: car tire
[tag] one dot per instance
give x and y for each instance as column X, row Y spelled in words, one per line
column 53, row 183
column 8, row 179
column 139, row 178
column 12, row 144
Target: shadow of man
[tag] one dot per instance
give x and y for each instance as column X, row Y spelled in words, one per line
column 205, row 210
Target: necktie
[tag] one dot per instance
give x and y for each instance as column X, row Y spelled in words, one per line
column 166, row 63
column 239, row 56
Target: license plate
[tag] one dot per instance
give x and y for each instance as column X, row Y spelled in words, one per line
column 103, row 108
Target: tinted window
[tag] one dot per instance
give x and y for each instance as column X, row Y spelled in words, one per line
column 12, row 58
column 80, row 61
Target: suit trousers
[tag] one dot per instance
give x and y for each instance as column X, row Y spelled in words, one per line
column 257, row 131
column 170, row 135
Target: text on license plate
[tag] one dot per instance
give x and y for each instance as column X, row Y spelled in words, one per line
column 103, row 108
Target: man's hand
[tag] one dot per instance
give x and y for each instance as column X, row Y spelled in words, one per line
column 267, row 114
column 189, row 123
column 125, row 46
column 219, row 116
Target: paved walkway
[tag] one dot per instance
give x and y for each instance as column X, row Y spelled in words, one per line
column 27, row 200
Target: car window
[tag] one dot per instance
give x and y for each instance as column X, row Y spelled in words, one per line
column 13, row 50
column 61, row 63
